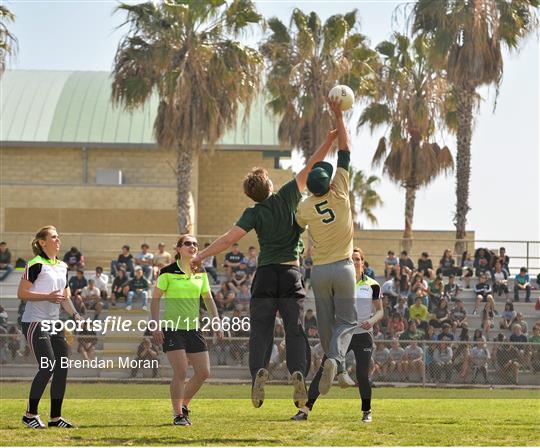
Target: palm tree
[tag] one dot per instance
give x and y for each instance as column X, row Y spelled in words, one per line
column 407, row 96
column 183, row 52
column 362, row 191
column 304, row 62
column 8, row 41
column 468, row 36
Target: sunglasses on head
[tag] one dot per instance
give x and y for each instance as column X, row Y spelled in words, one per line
column 190, row 243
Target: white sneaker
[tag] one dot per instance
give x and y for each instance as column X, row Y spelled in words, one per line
column 366, row 417
column 344, row 380
column 327, row 377
column 257, row 390
column 145, row 308
column 128, row 308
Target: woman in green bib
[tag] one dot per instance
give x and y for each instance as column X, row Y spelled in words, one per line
column 179, row 330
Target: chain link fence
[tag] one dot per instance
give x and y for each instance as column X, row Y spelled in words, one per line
column 393, row 361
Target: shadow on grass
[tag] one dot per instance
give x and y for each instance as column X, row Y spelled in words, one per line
column 196, row 441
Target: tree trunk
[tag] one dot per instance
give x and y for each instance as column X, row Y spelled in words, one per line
column 465, row 100
column 184, row 166
column 410, row 198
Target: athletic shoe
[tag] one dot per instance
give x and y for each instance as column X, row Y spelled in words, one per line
column 257, row 390
column 344, row 380
column 128, row 308
column 33, row 422
column 300, row 392
column 299, row 416
column 61, row 424
column 181, row 420
column 328, row 374
column 366, row 417
column 185, row 411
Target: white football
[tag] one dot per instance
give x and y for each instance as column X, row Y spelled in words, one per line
column 345, row 94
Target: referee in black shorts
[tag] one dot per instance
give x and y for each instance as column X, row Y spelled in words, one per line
column 278, row 284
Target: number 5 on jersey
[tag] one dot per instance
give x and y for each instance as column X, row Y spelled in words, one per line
column 329, row 214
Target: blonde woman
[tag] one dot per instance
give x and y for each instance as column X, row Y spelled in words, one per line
column 44, row 288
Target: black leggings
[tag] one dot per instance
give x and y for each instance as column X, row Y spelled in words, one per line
column 47, row 348
column 362, row 346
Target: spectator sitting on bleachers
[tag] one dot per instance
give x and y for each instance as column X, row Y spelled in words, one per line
column 500, row 280
column 312, row 333
column 519, row 338
column 310, row 320
column 390, row 289
column 396, row 326
column 445, row 334
column 138, row 288
column 442, row 362
column 87, row 342
column 229, row 302
column 232, row 260
column 317, row 354
column 436, row 290
column 368, row 270
column 412, row 333
column 522, row 283
column 401, row 308
column 14, row 341
column 5, row 261
column 419, row 313
column 441, row 314
column 77, row 283
column 163, row 258
column 242, row 299
column 239, row 277
column 74, row 259
column 451, row 289
column 219, row 298
column 488, row 318
column 147, row 351
column 279, row 329
column 387, row 312
column 462, row 354
column 483, row 293
column 430, row 334
column 506, row 360
column 458, row 316
column 397, row 358
column 391, row 265
column 425, row 265
column 119, row 286
column 210, row 265
column 406, row 265
column 251, row 260
column 91, row 297
column 477, row 335
column 381, row 360
column 507, row 316
column 145, row 260
column 467, row 266
column 101, row 281
column 125, row 261
column 306, row 264
column 482, row 261
column 414, row 359
column 377, row 332
column 518, row 320
column 504, row 260
column 78, row 304
column 479, row 358
column 447, row 265
column 419, row 288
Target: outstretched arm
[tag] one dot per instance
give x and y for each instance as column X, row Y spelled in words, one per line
column 222, row 243
column 342, row 134
column 320, row 154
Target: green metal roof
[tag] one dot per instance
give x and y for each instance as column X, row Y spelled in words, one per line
column 62, row 108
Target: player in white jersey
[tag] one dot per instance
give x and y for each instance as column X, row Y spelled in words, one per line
column 44, row 288
column 369, row 311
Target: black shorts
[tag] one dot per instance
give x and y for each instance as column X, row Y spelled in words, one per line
column 192, row 341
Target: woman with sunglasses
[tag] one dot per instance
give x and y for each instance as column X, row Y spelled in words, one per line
column 179, row 331
column 369, row 311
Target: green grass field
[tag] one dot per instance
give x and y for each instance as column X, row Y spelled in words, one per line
column 223, row 415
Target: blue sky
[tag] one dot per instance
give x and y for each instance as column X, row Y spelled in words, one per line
column 505, row 196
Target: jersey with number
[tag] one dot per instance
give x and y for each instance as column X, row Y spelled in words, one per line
column 182, row 296
column 367, row 290
column 46, row 276
column 329, row 217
